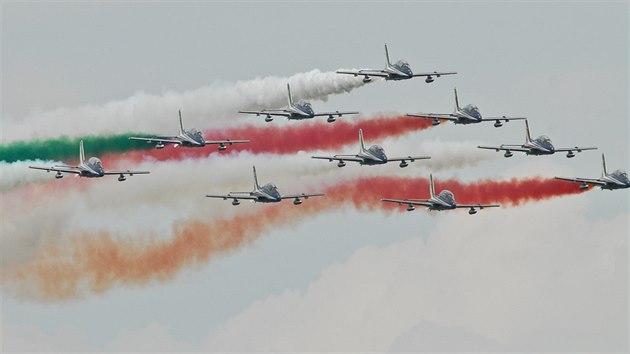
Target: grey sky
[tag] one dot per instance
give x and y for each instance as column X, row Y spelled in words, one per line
column 564, row 65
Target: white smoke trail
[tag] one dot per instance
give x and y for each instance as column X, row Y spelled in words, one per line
column 207, row 107
column 17, row 174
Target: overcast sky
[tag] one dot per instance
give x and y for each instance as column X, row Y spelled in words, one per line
column 548, row 276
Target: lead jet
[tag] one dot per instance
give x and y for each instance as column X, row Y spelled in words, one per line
column 188, row 138
column 445, row 200
column 375, row 155
column 615, row 180
column 468, row 115
column 93, row 167
column 298, row 111
column 397, row 71
column 539, row 146
column 265, row 194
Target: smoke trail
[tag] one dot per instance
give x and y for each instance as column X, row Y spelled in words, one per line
column 13, row 175
column 65, row 148
column 304, row 136
column 95, row 263
column 205, row 107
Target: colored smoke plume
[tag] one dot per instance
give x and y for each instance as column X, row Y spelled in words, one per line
column 303, row 136
column 95, row 263
column 65, row 148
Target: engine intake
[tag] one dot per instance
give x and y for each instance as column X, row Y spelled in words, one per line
column 341, row 163
column 429, row 79
column 570, row 154
column 222, row 147
column 122, row 178
column 508, row 153
column 472, row 211
column 297, row 201
column 236, row 202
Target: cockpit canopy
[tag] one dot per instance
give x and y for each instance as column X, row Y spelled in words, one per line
column 544, row 141
column 447, row 196
column 472, row 110
column 271, row 189
column 96, row 162
column 620, row 175
column 402, row 64
column 377, row 151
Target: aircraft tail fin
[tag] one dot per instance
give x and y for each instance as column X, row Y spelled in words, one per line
column 528, row 137
column 604, row 172
column 387, row 55
column 361, row 145
column 256, row 186
column 181, row 125
column 431, row 186
column 456, row 101
column 289, row 95
column 81, row 153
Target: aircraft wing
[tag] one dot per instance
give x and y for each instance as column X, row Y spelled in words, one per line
column 65, row 169
column 480, row 206
column 233, row 195
column 505, row 147
column 577, row 148
column 365, row 72
column 408, row 158
column 423, row 202
column 441, row 116
column 126, row 172
column 435, row 73
column 302, row 195
column 228, row 141
column 275, row 112
column 163, row 140
column 335, row 113
column 503, row 118
column 597, row 182
column 339, row 158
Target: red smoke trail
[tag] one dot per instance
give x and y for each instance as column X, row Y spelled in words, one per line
column 299, row 136
column 95, row 263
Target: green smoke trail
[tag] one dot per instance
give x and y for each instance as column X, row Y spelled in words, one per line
column 68, row 148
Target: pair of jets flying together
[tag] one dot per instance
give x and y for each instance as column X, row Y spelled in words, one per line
column 303, row 109
column 269, row 193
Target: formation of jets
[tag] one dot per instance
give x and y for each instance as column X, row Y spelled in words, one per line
column 397, row 71
column 539, row 146
column 187, row 138
column 445, row 200
column 91, row 168
column 299, row 110
column 468, row 115
column 374, row 155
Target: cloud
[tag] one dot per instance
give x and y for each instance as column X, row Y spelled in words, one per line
column 559, row 284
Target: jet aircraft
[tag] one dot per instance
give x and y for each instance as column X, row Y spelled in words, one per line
column 265, row 194
column 297, row 110
column 93, row 167
column 188, row 138
column 397, row 71
column 445, row 200
column 615, row 180
column 539, row 146
column 467, row 115
column 375, row 155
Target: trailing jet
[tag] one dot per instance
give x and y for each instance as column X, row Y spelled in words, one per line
column 397, row 71
column 467, row 115
column 539, row 146
column 375, row 155
column 615, row 180
column 93, row 167
column 442, row 201
column 265, row 194
column 188, row 138
column 298, row 111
